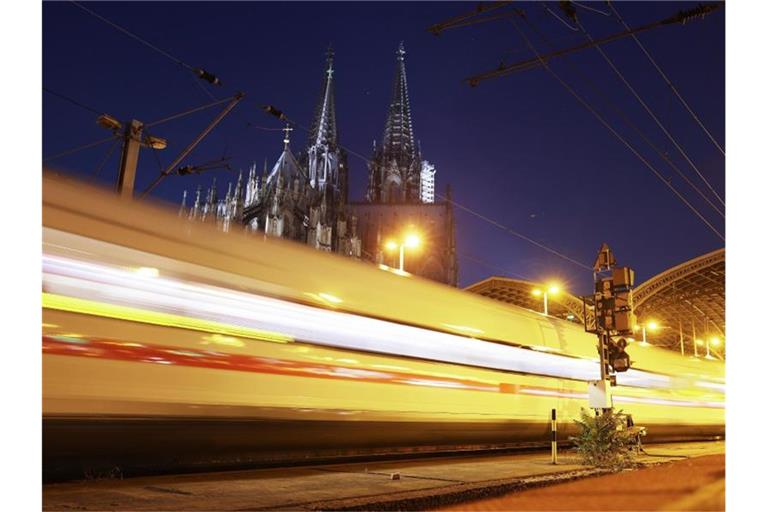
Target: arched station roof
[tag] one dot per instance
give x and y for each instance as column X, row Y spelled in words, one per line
column 519, row 292
column 687, row 300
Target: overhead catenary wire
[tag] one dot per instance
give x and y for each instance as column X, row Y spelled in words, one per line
column 491, row 266
column 602, row 93
column 133, row 36
column 666, row 79
column 465, row 208
column 201, row 73
column 177, row 115
column 568, row 25
column 78, row 148
column 649, row 111
column 352, row 152
column 106, row 158
column 72, row 100
column 615, row 133
column 589, row 8
column 515, row 233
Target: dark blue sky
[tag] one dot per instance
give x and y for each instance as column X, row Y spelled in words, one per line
column 519, row 149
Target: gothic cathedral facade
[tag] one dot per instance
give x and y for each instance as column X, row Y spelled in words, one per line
column 304, row 197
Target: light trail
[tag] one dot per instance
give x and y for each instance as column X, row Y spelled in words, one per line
column 119, row 293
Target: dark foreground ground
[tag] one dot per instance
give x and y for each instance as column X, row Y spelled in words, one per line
column 427, row 483
column 691, row 484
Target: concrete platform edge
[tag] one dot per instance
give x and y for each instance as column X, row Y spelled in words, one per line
column 451, row 494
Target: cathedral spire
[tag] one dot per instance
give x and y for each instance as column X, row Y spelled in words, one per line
column 398, row 142
column 324, row 161
column 324, row 123
column 395, row 168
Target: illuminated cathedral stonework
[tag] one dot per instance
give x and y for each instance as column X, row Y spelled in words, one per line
column 304, row 197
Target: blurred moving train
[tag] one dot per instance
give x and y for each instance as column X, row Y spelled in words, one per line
column 169, row 344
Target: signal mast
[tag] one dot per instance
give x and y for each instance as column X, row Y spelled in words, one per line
column 614, row 319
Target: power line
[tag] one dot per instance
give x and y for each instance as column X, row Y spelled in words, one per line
column 175, row 116
column 201, row 73
column 601, row 93
column 78, row 148
column 680, row 17
column 666, row 79
column 515, row 233
column 648, row 110
column 492, row 266
column 187, row 112
column 499, row 225
column 587, row 7
column 73, row 101
column 614, row 132
column 106, row 158
column 134, row 36
column 561, row 20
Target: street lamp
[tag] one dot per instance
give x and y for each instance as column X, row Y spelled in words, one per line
column 410, row 241
column 552, row 289
column 652, row 326
column 714, row 341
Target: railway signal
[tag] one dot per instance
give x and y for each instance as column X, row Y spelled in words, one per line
column 614, row 319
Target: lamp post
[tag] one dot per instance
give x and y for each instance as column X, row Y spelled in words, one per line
column 715, row 341
column 551, row 289
column 411, row 241
column 648, row 326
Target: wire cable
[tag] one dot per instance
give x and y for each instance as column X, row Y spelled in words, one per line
column 614, row 132
column 588, row 8
column 492, row 266
column 603, row 94
column 666, row 79
column 134, row 36
column 472, row 212
column 187, row 112
column 649, row 110
column 515, row 233
column 73, row 101
column 550, row 11
column 78, row 148
column 106, row 158
column 182, row 63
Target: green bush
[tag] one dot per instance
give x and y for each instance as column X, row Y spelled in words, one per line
column 605, row 441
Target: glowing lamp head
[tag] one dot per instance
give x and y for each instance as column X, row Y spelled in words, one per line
column 412, row 240
column 700, row 342
column 391, row 245
column 536, row 292
column 715, row 341
column 553, row 289
column 652, row 326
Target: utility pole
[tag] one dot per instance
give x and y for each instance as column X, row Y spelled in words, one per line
column 132, row 139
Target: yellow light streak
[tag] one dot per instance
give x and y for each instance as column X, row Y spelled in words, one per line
column 88, row 307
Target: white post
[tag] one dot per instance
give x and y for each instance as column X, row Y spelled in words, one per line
column 402, row 257
column 546, row 308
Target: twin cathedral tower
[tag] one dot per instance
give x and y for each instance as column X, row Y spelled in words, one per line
column 305, row 197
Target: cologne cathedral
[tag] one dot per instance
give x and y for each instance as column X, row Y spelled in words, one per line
column 304, row 197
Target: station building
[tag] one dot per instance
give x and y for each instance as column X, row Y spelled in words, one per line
column 685, row 304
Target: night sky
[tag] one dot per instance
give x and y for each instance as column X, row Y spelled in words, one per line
column 519, row 149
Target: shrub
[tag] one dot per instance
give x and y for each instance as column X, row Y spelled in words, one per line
column 605, row 441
